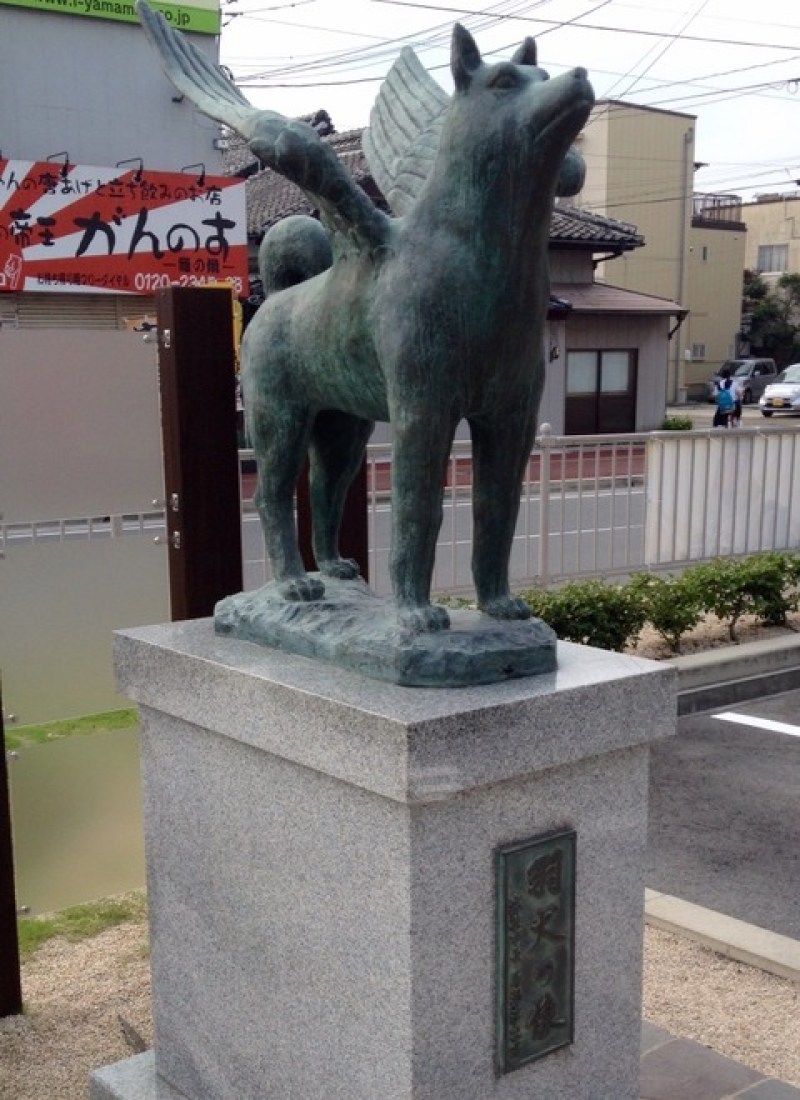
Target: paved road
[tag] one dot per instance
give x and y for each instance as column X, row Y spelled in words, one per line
column 702, row 415
column 725, row 813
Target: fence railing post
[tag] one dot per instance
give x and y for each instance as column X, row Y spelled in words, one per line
column 545, row 443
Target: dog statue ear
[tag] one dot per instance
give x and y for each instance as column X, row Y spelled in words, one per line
column 465, row 57
column 526, row 53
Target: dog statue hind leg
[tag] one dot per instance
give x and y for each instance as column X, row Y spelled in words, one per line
column 338, row 442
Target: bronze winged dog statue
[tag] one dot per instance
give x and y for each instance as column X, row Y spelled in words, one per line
column 422, row 319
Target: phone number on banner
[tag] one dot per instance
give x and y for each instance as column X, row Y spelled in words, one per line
column 142, row 281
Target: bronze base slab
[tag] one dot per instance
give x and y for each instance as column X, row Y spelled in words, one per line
column 352, row 627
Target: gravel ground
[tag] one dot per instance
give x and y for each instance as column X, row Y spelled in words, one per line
column 711, row 634
column 88, row 1004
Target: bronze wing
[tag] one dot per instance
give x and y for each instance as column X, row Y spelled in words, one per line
column 288, row 146
column 405, row 126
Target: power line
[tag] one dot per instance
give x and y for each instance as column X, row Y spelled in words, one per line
column 659, row 53
column 435, row 36
column 365, row 56
column 605, row 29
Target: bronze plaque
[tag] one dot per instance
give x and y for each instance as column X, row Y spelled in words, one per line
column 535, row 948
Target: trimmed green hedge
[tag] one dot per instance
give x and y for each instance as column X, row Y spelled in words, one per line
column 610, row 616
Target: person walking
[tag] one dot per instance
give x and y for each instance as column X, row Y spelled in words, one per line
column 724, row 397
column 737, row 385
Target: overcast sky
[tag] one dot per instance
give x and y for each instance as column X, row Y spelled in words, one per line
column 734, row 64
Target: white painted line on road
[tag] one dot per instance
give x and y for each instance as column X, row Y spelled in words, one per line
column 759, row 723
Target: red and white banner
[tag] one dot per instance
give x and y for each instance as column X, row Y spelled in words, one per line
column 76, row 228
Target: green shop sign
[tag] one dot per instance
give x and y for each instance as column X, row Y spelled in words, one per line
column 200, row 17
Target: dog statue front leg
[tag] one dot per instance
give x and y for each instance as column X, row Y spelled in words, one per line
column 421, row 451
column 501, row 447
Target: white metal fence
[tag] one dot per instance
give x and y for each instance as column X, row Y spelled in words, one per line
column 607, row 506
column 591, row 506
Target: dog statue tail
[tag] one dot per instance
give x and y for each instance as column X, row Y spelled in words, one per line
column 293, row 250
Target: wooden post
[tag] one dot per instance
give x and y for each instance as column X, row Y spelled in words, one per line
column 10, row 983
column 201, row 459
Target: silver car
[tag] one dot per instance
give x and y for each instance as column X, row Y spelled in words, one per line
column 783, row 395
column 754, row 375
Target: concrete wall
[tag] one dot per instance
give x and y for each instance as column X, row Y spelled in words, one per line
column 95, row 89
column 80, row 441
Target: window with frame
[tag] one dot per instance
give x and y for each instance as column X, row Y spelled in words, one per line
column 773, row 257
column 598, row 372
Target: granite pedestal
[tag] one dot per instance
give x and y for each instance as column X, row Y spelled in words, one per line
column 321, row 853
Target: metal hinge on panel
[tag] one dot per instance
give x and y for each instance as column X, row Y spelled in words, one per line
column 174, row 539
column 166, row 338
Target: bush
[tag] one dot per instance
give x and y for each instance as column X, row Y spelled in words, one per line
column 610, row 616
column 590, row 612
column 720, row 585
column 759, row 585
column 677, row 424
column 770, row 580
column 672, row 605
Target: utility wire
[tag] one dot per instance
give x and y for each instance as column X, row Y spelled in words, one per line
column 604, row 29
column 437, row 36
column 659, row 53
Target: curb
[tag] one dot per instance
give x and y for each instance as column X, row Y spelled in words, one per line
column 734, row 674
column 728, row 936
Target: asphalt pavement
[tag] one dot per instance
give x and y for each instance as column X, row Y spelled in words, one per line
column 701, row 414
column 724, row 816
column 723, row 846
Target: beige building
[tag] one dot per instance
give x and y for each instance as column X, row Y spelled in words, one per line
column 710, row 335
column 640, row 169
column 773, row 235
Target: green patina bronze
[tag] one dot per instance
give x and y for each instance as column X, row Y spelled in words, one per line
column 423, row 319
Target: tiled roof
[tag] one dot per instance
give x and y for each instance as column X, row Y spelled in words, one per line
column 270, row 197
column 603, row 298
column 571, row 226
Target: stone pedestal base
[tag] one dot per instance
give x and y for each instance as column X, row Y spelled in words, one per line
column 322, row 872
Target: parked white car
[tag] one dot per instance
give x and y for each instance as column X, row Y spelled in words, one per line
column 782, row 395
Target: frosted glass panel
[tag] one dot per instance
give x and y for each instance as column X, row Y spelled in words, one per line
column 614, row 372
column 582, row 372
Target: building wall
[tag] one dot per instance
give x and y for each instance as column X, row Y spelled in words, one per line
column 648, row 334
column 714, row 289
column 570, row 266
column 773, row 222
column 640, row 165
column 644, row 159
column 95, row 89
column 593, row 145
